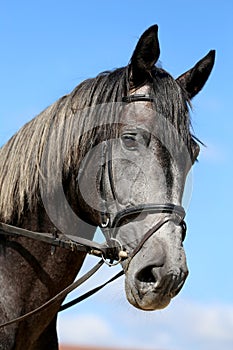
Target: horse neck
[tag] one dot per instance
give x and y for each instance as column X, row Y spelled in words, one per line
column 59, row 265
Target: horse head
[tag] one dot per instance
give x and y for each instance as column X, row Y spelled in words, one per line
column 142, row 174
column 114, row 153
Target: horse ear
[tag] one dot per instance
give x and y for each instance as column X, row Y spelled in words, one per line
column 194, row 79
column 144, row 56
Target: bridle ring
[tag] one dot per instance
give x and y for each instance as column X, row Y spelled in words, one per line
column 109, row 263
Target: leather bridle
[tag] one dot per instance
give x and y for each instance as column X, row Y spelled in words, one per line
column 112, row 250
column 175, row 213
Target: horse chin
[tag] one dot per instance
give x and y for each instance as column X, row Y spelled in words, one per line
column 149, row 300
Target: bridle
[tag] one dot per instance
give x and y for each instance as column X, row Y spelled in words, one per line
column 175, row 213
column 112, row 252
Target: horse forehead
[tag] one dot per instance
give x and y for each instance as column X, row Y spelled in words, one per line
column 145, row 89
column 139, row 114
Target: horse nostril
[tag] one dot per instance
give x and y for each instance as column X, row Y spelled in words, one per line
column 146, row 275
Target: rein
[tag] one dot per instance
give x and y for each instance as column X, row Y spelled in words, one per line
column 112, row 250
column 72, row 243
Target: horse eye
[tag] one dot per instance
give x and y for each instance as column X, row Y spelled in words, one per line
column 130, row 141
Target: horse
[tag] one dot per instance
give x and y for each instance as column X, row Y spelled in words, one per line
column 114, row 154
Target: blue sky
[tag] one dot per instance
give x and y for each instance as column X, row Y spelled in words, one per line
column 47, row 48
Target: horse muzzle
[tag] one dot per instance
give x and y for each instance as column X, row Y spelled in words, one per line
column 151, row 292
column 158, row 270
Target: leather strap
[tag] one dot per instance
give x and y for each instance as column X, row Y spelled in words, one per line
column 57, row 297
column 64, row 241
column 90, row 292
column 150, row 232
column 167, row 208
column 137, row 97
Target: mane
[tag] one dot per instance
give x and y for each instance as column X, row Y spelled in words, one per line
column 69, row 122
column 172, row 103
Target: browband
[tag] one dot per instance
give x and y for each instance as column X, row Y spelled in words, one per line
column 137, row 97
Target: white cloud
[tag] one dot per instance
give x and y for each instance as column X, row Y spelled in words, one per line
column 107, row 319
column 211, row 324
column 184, row 325
column 84, row 329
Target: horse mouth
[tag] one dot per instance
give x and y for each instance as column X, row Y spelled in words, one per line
column 151, row 294
column 148, row 300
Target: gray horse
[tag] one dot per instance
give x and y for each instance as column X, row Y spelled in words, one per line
column 113, row 153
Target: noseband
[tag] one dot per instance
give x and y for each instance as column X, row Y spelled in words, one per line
column 175, row 213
